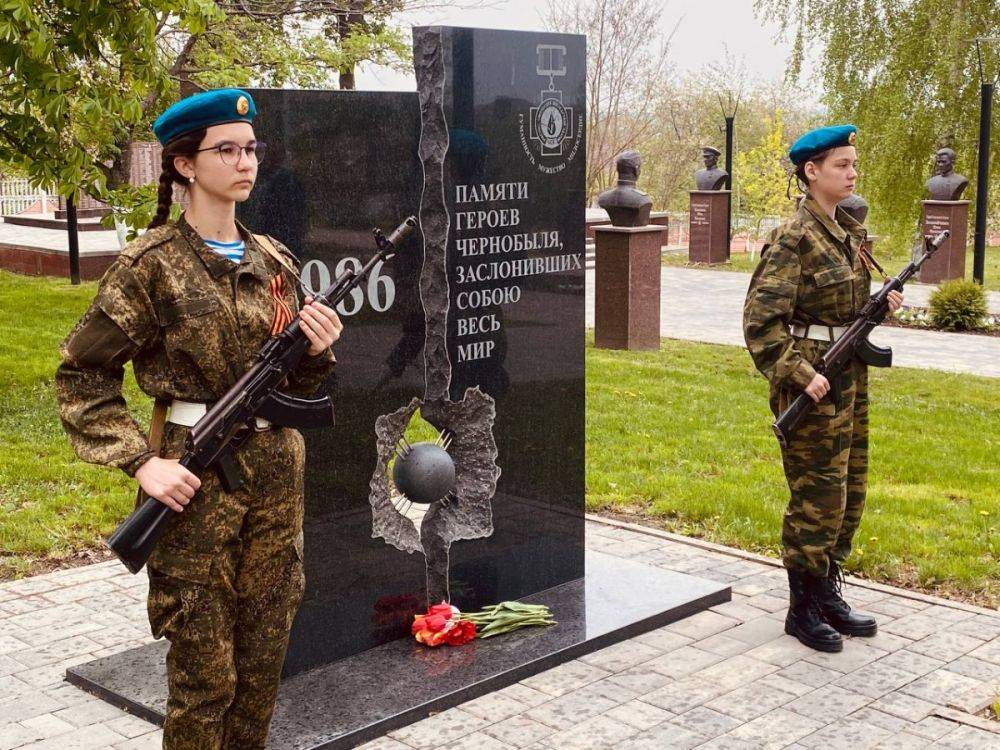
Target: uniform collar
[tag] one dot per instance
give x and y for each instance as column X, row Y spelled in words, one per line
column 217, row 265
column 810, row 206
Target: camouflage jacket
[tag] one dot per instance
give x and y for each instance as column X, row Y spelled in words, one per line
column 810, row 271
column 190, row 320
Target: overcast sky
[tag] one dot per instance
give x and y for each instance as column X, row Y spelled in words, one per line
column 705, row 30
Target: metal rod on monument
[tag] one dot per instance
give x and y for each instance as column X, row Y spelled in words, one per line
column 730, row 119
column 982, row 183
column 74, row 240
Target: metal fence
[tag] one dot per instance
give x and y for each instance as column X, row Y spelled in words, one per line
column 17, row 196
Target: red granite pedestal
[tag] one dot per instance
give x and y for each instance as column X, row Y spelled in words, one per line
column 627, row 287
column 709, row 226
column 949, row 261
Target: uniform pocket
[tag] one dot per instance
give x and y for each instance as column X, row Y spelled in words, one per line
column 178, row 585
column 187, row 308
column 833, row 275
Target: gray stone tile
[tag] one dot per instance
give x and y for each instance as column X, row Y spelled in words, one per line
column 910, row 661
column 518, row 731
column 854, row 656
column 903, row 741
column 683, row 661
column 384, row 743
column 940, row 686
column 439, row 729
column 829, row 703
column 639, row 714
column 640, row 679
column 846, row 734
column 494, row 706
column 915, row 626
column 684, row 694
column 769, row 602
column 988, row 652
column 91, row 737
column 728, row 742
column 876, row 679
column 722, row 645
column 705, row 721
column 664, row 640
column 702, row 625
column 621, row 656
column 739, row 609
column 932, row 727
column 570, row 709
column 986, row 627
column 976, row 668
column 524, row 694
column 664, row 736
column 881, row 719
column 809, row 674
column 946, row 645
column 478, row 741
column 968, row 738
column 780, row 652
column 597, row 733
column 777, row 682
column 776, row 729
column 752, row 586
column 904, row 706
column 735, row 671
column 564, row 678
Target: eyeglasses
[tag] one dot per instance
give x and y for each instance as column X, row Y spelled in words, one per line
column 230, row 152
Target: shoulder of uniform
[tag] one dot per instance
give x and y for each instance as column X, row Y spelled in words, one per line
column 789, row 234
column 141, row 245
column 280, row 247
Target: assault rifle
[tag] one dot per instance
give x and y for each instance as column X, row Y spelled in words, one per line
column 854, row 341
column 231, row 420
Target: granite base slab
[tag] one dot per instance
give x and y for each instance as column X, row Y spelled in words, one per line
column 354, row 700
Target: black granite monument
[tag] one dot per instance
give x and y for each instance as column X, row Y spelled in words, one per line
column 478, row 324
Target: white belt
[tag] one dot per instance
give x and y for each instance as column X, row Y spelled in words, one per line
column 817, row 332
column 188, row 413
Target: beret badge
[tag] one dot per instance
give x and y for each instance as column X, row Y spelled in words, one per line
column 242, row 105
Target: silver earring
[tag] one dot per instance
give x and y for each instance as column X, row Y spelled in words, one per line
column 191, row 179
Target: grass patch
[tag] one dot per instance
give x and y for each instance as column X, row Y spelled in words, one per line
column 53, row 505
column 681, row 438
column 892, row 264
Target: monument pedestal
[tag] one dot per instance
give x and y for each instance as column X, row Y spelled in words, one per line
column 627, row 287
column 708, row 238
column 949, row 261
column 357, row 699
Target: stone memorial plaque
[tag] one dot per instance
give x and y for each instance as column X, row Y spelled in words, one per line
column 708, row 241
column 949, row 261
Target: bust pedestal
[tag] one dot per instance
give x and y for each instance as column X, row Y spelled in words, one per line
column 949, row 261
column 627, row 287
column 708, row 238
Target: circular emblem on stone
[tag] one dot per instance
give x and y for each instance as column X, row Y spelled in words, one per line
column 851, row 138
column 242, row 105
column 551, row 122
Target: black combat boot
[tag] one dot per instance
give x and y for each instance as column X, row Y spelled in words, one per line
column 804, row 620
column 836, row 611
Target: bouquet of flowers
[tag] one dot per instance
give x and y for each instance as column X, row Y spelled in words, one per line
column 443, row 623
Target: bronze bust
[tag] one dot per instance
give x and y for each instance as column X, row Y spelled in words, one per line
column 856, row 207
column 711, row 177
column 946, row 184
column 626, row 205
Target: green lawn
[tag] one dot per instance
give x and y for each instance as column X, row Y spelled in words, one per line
column 892, row 264
column 678, row 439
column 682, row 438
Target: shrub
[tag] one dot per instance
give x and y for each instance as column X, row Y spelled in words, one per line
column 958, row 305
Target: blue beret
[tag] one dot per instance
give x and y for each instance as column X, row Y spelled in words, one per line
column 819, row 140
column 202, row 110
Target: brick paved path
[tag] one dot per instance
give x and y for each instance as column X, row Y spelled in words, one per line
column 699, row 305
column 725, row 679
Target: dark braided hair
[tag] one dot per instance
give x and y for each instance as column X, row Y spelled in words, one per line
column 182, row 145
column 800, row 170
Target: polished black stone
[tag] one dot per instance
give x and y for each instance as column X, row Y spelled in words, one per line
column 344, row 704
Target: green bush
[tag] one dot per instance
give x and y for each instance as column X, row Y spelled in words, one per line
column 958, row 305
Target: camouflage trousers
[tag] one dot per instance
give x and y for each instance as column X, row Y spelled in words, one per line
column 224, row 585
column 826, row 466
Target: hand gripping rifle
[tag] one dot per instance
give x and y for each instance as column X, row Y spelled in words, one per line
column 855, row 341
column 231, row 420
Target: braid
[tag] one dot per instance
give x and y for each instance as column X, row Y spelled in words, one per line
column 164, row 197
column 182, row 145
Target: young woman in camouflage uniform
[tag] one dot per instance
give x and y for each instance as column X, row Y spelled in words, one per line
column 227, row 578
column 812, row 280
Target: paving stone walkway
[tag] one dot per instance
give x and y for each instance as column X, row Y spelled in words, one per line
column 725, row 679
column 700, row 305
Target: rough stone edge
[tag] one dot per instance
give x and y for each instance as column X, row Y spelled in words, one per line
column 770, row 561
column 971, row 720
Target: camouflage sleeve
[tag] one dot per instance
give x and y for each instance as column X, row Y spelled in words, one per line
column 88, row 381
column 767, row 312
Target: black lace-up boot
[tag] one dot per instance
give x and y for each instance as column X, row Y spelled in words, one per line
column 804, row 620
column 836, row 611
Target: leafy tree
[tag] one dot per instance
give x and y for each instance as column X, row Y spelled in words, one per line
column 85, row 78
column 907, row 74
column 763, row 178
